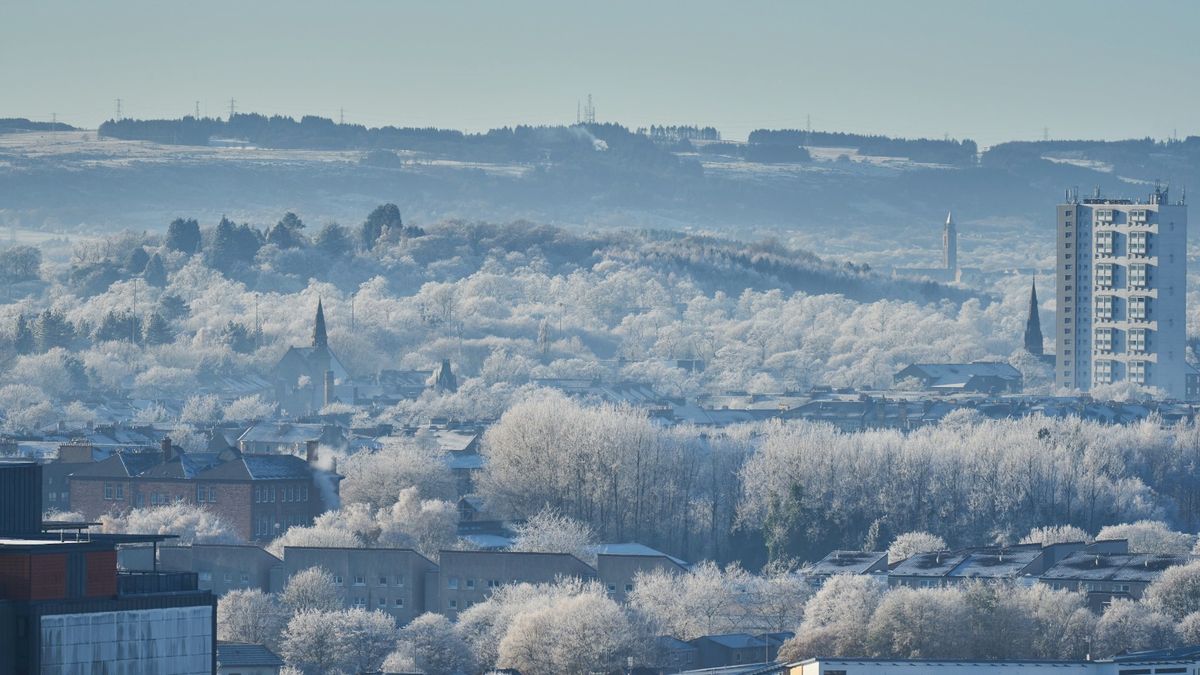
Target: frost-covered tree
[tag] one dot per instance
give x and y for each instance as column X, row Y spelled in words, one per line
column 192, row 524
column 705, row 600
column 1149, row 536
column 248, row 409
column 427, row 525
column 364, row 639
column 311, row 644
column 837, row 620
column 909, row 544
column 376, row 478
column 1056, row 534
column 310, row 590
column 1176, row 592
column 201, row 409
column 550, row 532
column 433, row 646
column 583, row 633
column 249, row 615
column 1133, row 626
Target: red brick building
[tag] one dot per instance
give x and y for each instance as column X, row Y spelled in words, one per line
column 260, row 496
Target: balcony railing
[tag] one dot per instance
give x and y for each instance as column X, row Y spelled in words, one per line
column 142, row 583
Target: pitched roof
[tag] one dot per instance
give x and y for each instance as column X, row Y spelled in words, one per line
column 848, row 562
column 734, row 641
column 635, row 550
column 245, row 655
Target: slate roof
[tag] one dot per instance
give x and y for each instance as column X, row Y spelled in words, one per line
column 120, row 465
column 957, row 375
column 1141, row 567
column 847, row 562
column 997, row 563
column 936, row 564
column 635, row 550
column 239, row 654
column 287, row 433
column 734, row 641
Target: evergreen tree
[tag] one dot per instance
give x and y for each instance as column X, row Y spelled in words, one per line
column 334, row 240
column 24, row 340
column 155, row 273
column 52, row 330
column 184, row 235
column 239, row 338
column 156, row 330
column 383, row 219
column 76, row 371
column 172, row 307
column 136, row 261
column 286, row 233
column 119, row 327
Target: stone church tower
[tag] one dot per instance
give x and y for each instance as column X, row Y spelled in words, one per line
column 1033, row 325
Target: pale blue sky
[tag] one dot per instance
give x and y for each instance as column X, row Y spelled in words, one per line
column 991, row 71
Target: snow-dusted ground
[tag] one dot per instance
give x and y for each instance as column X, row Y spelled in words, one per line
column 83, row 149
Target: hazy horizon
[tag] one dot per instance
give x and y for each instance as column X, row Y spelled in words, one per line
column 1003, row 72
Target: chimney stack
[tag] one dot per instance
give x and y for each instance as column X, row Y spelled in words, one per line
column 167, row 452
column 310, row 451
column 328, row 387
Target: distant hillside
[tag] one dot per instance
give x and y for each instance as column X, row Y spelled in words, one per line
column 9, row 125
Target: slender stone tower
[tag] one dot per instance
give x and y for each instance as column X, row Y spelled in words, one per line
column 1033, row 325
column 950, row 245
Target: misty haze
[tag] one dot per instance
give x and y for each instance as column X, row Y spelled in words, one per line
column 548, row 338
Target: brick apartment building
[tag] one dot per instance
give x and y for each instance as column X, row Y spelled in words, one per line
column 260, row 496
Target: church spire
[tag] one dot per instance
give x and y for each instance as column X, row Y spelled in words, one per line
column 319, row 337
column 1033, row 325
column 950, row 245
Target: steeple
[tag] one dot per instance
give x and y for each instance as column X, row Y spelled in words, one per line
column 950, row 244
column 1033, row 325
column 319, row 337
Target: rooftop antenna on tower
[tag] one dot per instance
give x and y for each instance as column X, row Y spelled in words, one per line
column 232, row 108
column 197, row 110
column 341, row 116
column 119, row 109
column 1045, row 133
column 808, row 130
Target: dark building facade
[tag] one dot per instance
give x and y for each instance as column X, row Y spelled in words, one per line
column 65, row 608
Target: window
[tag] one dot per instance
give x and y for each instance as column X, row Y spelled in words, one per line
column 471, row 584
column 360, row 580
column 337, row 579
column 1104, row 215
column 399, row 602
column 201, row 494
column 53, row 496
column 1104, row 307
column 212, row 495
column 257, row 495
column 228, row 578
column 272, row 493
column 206, row 576
column 1138, row 243
column 399, row 579
column 1104, row 372
column 1137, row 340
column 453, row 604
column 1104, row 340
column 1104, row 243
column 245, row 578
column 493, row 583
column 383, row 581
column 1139, row 308
column 1137, row 372
column 304, row 492
column 628, row 588
column 360, row 602
column 452, row 583
column 612, row 588
column 1138, row 216
column 1104, row 275
column 1137, row 275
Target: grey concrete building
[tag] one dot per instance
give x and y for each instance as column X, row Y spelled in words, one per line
column 393, row 580
column 469, row 577
column 617, row 565
column 1122, row 289
column 221, row 568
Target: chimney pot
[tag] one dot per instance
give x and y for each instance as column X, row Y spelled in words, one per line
column 167, row 452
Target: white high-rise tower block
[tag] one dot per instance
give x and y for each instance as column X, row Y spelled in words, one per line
column 1122, row 291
